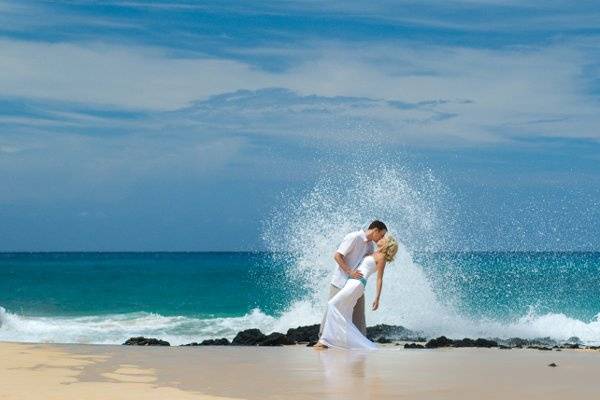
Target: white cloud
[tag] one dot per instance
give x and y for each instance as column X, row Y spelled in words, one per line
column 511, row 91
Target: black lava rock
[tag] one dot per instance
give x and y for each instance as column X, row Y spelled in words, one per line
column 545, row 341
column 442, row 341
column 553, row 365
column 485, row 343
column 276, row 339
column 303, row 334
column 248, row 337
column 413, row 346
column 142, row 341
column 466, row 342
column 574, row 340
column 517, row 342
column 215, row 342
column 543, row 348
column 392, row 332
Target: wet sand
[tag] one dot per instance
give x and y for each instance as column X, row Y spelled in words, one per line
column 44, row 371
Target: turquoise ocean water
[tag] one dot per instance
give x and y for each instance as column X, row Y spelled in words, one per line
column 184, row 297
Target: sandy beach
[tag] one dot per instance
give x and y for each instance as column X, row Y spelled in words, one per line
column 45, row 371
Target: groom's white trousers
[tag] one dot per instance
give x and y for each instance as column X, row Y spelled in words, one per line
column 358, row 315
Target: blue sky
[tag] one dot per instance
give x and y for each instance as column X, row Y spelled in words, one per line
column 142, row 125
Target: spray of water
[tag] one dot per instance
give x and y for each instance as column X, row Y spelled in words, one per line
column 307, row 229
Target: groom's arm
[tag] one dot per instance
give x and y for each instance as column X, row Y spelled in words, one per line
column 339, row 258
column 344, row 248
column 341, row 262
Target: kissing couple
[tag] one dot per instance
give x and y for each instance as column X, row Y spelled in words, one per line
column 361, row 254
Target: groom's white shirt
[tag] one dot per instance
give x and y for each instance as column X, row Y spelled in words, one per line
column 354, row 248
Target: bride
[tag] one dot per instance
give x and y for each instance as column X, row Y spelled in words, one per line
column 338, row 329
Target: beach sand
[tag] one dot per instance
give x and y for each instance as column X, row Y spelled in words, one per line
column 50, row 371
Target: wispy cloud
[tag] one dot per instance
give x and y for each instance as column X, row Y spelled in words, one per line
column 403, row 90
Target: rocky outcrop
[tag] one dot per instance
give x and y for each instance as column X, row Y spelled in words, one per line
column 276, row 339
column 466, row 342
column 210, row 342
column 248, row 337
column 413, row 346
column 392, row 333
column 443, row 341
column 142, row 341
column 304, row 334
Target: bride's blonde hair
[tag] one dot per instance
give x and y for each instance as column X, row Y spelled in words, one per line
column 390, row 249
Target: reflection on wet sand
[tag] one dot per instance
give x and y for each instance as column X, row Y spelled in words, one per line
column 346, row 374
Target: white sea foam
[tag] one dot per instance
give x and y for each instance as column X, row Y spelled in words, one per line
column 115, row 329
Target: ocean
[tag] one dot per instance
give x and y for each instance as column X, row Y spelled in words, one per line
column 186, row 297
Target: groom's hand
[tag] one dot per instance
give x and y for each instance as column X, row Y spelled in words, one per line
column 356, row 274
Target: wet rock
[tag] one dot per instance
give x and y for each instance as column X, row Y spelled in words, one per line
column 215, row 342
column 545, row 341
column 383, row 340
column 392, row 332
column 311, row 344
column 303, row 334
column 210, row 342
column 553, row 365
column 574, row 340
column 142, row 341
column 413, row 346
column 441, row 341
column 485, row 343
column 543, row 348
column 466, row 342
column 276, row 339
column 248, row 337
column 517, row 342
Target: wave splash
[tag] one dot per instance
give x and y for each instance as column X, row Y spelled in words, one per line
column 418, row 211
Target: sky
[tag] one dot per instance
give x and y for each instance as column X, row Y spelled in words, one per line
column 177, row 126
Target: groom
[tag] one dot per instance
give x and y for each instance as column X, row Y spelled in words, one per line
column 354, row 247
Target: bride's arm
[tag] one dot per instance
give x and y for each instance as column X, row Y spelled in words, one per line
column 380, row 268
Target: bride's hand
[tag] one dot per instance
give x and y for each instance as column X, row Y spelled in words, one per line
column 375, row 305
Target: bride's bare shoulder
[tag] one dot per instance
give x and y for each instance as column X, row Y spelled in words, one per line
column 378, row 257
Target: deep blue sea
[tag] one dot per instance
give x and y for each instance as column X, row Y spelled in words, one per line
column 185, row 297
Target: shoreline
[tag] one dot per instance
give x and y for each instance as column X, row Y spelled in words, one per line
column 74, row 371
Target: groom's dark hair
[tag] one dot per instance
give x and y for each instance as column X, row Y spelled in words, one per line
column 378, row 225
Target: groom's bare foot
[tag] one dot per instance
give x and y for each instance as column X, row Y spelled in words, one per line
column 320, row 346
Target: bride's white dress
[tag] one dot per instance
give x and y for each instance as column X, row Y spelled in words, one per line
column 338, row 330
